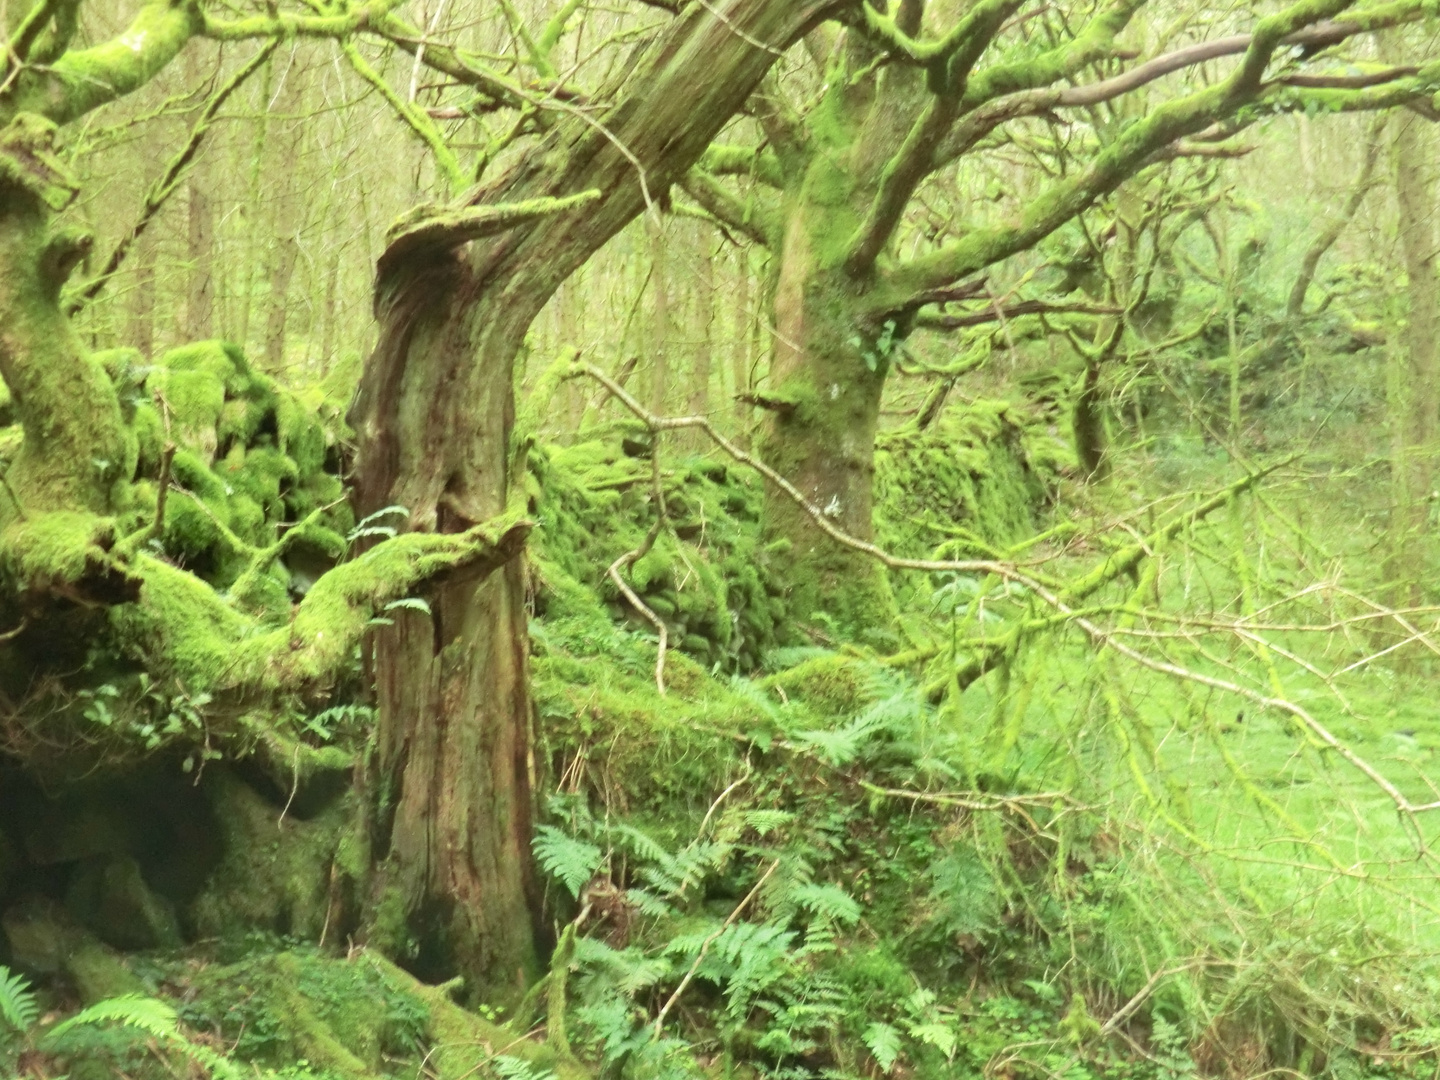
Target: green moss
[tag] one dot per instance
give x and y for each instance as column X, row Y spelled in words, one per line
column 181, row 623
column 968, row 481
column 59, row 548
column 833, row 684
column 708, row 575
column 194, row 400
column 275, row 874
column 347, row 1017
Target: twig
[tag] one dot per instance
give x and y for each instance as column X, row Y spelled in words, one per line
column 705, row 948
column 630, row 558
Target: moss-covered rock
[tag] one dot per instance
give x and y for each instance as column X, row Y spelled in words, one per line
column 970, row 481
column 276, row 873
column 707, row 574
column 110, row 897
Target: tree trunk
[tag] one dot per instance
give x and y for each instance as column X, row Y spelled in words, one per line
column 1413, row 390
column 200, row 261
column 434, row 418
column 826, row 382
column 75, row 448
column 659, row 337
column 142, row 304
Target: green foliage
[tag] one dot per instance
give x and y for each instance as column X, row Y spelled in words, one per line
column 18, row 1005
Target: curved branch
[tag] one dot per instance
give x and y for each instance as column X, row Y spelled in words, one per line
column 85, row 79
column 1135, row 146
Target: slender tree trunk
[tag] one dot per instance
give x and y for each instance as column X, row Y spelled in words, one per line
column 142, row 303
column 434, row 418
column 742, row 342
column 288, row 216
column 200, row 259
column 701, row 372
column 1414, row 395
column 659, row 336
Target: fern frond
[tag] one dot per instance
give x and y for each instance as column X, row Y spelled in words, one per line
column 828, row 902
column 153, row 1017
column 18, row 1006
column 573, row 861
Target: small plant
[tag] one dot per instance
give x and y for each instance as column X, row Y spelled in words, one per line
column 20, row 1011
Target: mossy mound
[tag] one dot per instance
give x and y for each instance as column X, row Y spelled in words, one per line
column 250, row 458
column 708, row 576
column 970, row 483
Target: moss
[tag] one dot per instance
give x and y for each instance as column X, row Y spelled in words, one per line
column 149, row 429
column 969, row 479
column 194, row 400
column 56, row 549
column 708, row 575
column 275, row 874
column 180, row 625
column 833, row 684
column 277, row 1008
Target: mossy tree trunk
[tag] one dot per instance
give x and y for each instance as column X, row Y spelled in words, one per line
column 824, row 394
column 908, row 90
column 75, row 446
column 435, row 420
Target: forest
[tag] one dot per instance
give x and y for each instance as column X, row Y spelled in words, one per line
column 719, row 540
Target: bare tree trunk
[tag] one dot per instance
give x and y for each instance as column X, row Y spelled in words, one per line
column 200, row 259
column 742, row 347
column 659, row 337
column 288, row 216
column 434, row 418
column 1413, row 391
column 142, row 304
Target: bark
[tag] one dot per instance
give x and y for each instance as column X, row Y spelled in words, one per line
column 659, row 336
column 288, row 218
column 142, row 303
column 825, row 411
column 701, row 371
column 434, row 420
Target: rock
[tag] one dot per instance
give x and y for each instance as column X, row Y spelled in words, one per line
column 45, row 941
column 109, row 896
column 85, row 821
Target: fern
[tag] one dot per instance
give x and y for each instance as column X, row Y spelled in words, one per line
column 829, row 903
column 513, row 1068
column 883, row 1042
column 573, row 861
column 18, row 1006
column 370, row 526
column 154, row 1018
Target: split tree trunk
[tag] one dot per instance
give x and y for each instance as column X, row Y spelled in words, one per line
column 434, row 417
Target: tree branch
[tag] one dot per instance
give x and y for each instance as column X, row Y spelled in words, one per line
column 915, row 158
column 85, row 79
column 161, row 190
column 1132, row 149
column 750, row 218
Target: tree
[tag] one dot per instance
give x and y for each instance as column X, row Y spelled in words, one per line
column 906, row 99
column 436, row 424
